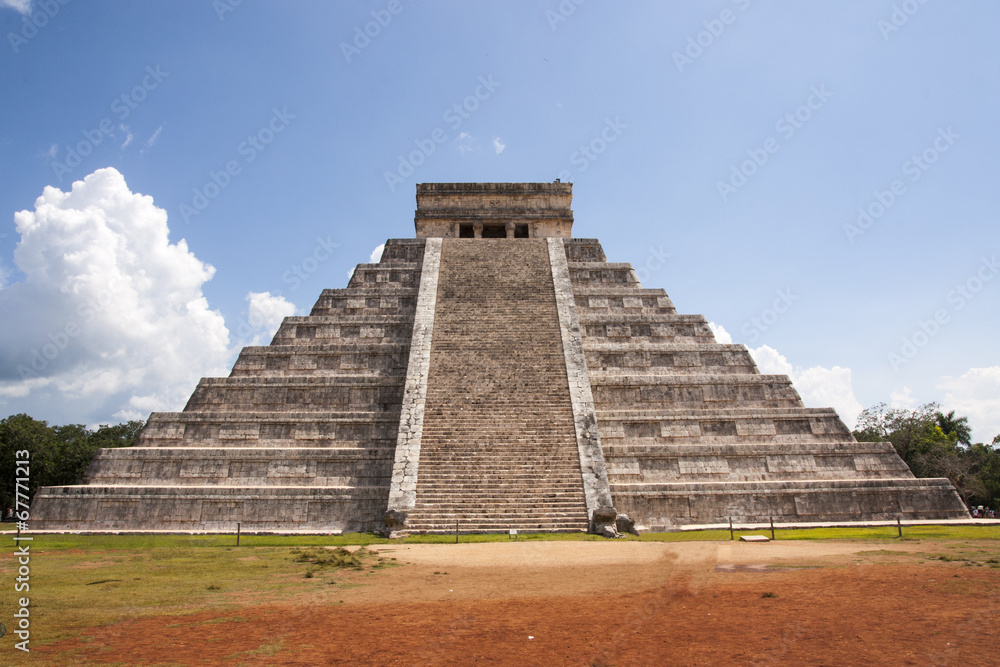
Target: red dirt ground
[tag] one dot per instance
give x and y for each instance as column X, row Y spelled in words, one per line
column 855, row 608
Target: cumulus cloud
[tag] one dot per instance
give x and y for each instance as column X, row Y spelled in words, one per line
column 109, row 319
column 819, row 387
column 498, row 145
column 23, row 6
column 721, row 335
column 265, row 313
column 975, row 395
column 770, row 361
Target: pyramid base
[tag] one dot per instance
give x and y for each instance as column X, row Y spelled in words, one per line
column 164, row 508
column 667, row 506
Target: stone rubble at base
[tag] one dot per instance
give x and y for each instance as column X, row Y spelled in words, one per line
column 498, row 373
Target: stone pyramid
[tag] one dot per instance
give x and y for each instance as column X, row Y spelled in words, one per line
column 492, row 373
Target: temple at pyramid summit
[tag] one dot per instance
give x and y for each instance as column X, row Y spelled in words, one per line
column 492, row 373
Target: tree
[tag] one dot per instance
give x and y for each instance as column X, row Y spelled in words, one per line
column 19, row 433
column 989, row 476
column 59, row 455
column 959, row 426
column 909, row 431
column 934, row 444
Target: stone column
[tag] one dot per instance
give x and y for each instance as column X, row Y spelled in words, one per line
column 596, row 487
column 510, row 229
column 403, row 488
column 478, row 229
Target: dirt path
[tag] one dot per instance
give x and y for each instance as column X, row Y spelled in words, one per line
column 600, row 603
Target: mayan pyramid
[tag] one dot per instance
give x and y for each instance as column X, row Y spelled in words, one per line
column 492, row 373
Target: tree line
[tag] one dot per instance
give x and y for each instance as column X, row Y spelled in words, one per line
column 935, row 444
column 59, row 455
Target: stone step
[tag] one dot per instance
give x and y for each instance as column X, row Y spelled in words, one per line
column 497, row 471
column 484, row 524
column 485, row 529
column 502, row 491
column 498, row 425
column 531, row 469
column 444, row 511
column 494, row 514
column 503, row 509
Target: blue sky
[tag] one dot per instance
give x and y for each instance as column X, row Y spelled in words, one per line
column 818, row 179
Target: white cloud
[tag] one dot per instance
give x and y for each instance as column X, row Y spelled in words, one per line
column 374, row 258
column 498, row 145
column 23, row 6
column 975, row 395
column 902, row 399
column 152, row 140
column 265, row 313
column 819, row 387
column 770, row 361
column 110, row 319
column 466, row 143
column 128, row 135
column 721, row 335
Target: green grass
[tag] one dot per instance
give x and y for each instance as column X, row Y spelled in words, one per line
column 143, row 542
column 988, row 532
column 876, row 533
column 81, row 582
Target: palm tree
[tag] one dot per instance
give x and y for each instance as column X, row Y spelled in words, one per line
column 959, row 426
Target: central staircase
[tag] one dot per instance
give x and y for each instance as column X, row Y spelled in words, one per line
column 499, row 447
